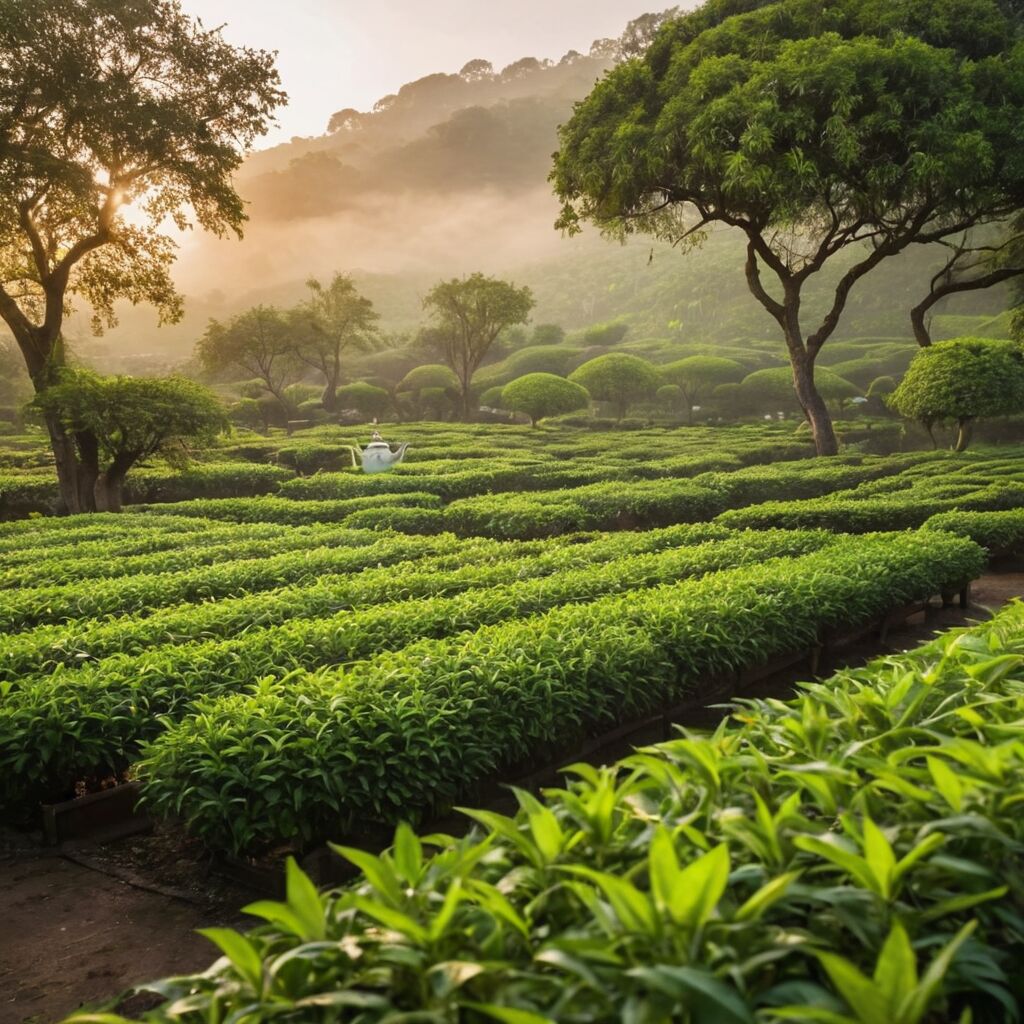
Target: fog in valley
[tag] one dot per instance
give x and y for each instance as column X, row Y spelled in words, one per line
column 448, row 176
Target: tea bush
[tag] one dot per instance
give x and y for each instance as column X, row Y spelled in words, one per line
column 87, row 723
column 472, row 563
column 31, row 606
column 406, row 733
column 849, row 855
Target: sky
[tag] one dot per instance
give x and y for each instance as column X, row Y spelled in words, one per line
column 348, row 53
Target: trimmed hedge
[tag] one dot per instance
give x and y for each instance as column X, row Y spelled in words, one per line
column 87, row 723
column 408, row 733
column 851, row 854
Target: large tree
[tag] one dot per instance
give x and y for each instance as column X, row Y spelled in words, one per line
column 961, row 380
column 831, row 137
column 103, row 106
column 469, row 313
column 335, row 320
column 131, row 419
column 259, row 342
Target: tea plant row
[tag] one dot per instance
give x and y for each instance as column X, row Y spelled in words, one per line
column 475, row 562
column 69, row 725
column 849, row 855
column 407, row 733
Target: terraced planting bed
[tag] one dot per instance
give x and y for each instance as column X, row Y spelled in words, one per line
column 277, row 671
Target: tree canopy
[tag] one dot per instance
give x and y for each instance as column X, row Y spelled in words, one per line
column 618, row 379
column 105, row 106
column 698, row 376
column 259, row 342
column 961, row 380
column 857, row 129
column 119, row 421
column 336, row 319
column 543, row 394
column 469, row 313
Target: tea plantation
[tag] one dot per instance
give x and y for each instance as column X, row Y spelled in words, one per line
column 286, row 652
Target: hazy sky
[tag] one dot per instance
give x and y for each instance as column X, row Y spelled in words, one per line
column 349, row 53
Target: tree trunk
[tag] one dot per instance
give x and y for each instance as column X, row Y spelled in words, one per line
column 921, row 333
column 75, row 476
column 465, row 400
column 825, row 441
column 329, row 398
column 108, row 492
column 964, row 434
column 109, row 485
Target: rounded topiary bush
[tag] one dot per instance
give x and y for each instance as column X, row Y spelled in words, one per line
column 543, row 394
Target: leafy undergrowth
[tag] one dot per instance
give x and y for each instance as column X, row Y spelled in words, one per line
column 852, row 855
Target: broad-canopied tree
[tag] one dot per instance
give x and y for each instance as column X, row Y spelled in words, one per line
column 469, row 313
column 260, row 342
column 832, row 137
column 105, row 105
column 962, row 380
column 120, row 421
column 543, row 394
column 618, row 379
column 698, row 376
column 335, row 320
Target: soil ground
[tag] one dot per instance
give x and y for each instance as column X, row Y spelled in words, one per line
column 79, row 925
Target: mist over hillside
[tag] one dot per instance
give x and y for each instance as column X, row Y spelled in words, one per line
column 449, row 176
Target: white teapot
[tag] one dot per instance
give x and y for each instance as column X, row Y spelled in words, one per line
column 377, row 456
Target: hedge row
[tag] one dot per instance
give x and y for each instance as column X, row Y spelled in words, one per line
column 473, row 563
column 311, row 757
column 217, row 545
column 33, row 606
column 1000, row 533
column 21, row 493
column 904, row 510
column 58, row 728
column 846, row 872
column 285, row 511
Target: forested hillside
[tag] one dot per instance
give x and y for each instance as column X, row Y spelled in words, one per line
column 448, row 176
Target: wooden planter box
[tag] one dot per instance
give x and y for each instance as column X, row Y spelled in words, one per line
column 108, row 814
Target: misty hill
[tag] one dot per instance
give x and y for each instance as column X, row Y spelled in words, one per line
column 448, row 176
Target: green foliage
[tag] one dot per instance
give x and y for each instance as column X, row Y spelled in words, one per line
column 662, row 884
column 605, row 334
column 778, row 121
column 772, row 389
column 94, row 138
column 618, row 379
column 698, row 376
column 961, row 380
column 469, row 314
column 259, row 343
column 547, row 334
column 880, row 387
column 543, row 394
column 430, row 375
column 136, row 417
column 169, row 678
column 371, row 401
column 480, row 703
column 118, row 421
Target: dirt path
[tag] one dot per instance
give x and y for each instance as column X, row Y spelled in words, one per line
column 70, row 935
